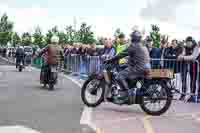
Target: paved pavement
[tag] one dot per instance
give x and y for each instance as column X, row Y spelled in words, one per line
column 181, row 118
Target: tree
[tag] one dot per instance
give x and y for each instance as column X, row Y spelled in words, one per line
column 38, row 37
column 63, row 38
column 155, row 35
column 85, row 34
column 48, row 37
column 16, row 40
column 70, row 32
column 6, row 28
column 50, row 33
column 55, row 30
column 26, row 39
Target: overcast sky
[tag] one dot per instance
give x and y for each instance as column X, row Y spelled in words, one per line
column 178, row 18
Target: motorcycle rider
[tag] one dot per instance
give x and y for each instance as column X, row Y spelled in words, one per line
column 53, row 55
column 138, row 61
column 20, row 54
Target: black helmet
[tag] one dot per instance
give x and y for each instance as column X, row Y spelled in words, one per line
column 136, row 36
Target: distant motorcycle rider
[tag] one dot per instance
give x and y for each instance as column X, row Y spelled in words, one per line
column 138, row 60
column 52, row 53
column 20, row 55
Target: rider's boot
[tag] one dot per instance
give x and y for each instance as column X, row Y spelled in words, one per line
column 123, row 93
column 124, row 86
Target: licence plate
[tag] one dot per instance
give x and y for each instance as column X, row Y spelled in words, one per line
column 53, row 69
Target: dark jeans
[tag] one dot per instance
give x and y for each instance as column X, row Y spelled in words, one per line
column 19, row 60
column 127, row 73
column 190, row 68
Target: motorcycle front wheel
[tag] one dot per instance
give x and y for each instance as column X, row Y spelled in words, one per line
column 91, row 88
column 156, row 92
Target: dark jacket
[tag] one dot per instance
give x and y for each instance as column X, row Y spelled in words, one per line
column 138, row 57
column 20, row 53
column 171, row 55
column 83, row 52
column 109, row 51
column 75, row 51
column 93, row 52
column 154, row 54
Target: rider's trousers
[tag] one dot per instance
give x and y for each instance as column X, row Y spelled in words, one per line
column 128, row 73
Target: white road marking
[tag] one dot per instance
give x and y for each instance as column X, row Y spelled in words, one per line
column 17, row 129
column 86, row 117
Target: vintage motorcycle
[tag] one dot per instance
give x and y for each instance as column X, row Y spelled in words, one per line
column 150, row 89
column 49, row 75
column 20, row 65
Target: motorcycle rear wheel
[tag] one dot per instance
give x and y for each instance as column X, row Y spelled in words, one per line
column 51, row 87
column 20, row 68
column 167, row 104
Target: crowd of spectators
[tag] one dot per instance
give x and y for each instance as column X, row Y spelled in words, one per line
column 175, row 55
column 169, row 55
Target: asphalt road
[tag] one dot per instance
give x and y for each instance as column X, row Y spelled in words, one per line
column 24, row 102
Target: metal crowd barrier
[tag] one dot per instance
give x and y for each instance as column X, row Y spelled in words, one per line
column 83, row 65
column 186, row 79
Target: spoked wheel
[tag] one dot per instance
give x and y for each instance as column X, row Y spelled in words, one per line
column 92, row 92
column 157, row 100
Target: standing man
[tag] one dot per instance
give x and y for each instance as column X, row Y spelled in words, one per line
column 192, row 54
column 121, row 46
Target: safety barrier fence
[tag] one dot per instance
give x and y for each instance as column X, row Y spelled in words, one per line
column 186, row 79
column 186, row 73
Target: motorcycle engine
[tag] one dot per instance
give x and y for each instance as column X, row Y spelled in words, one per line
column 135, row 93
column 129, row 97
column 118, row 94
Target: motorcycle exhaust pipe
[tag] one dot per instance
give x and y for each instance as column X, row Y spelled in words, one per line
column 106, row 76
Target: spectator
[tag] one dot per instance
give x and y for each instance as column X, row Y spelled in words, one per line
column 92, row 51
column 163, row 52
column 83, row 52
column 153, row 52
column 67, row 50
column 191, row 53
column 172, row 52
column 121, row 46
column 94, row 61
column 108, row 50
column 75, row 49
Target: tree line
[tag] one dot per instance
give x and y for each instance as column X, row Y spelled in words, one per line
column 69, row 36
